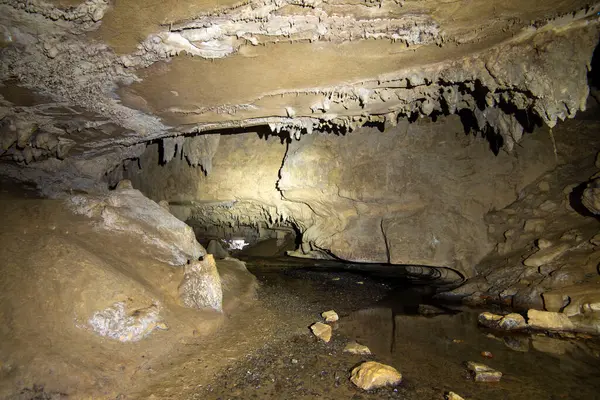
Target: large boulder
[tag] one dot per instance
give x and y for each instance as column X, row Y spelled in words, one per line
column 127, row 210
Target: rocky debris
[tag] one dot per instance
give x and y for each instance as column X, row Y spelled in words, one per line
column 509, row 322
column 452, row 396
column 128, row 210
column 487, row 354
column 116, row 323
column 214, row 247
column 483, row 373
column 201, row 285
column 330, row 316
column 429, row 310
column 550, row 321
column 372, row 375
column 322, row 331
column 546, row 255
column 355, row 348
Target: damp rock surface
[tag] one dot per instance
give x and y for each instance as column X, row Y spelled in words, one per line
column 373, row 375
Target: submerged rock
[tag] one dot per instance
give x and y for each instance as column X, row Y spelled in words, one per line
column 322, row 331
column 372, row 375
column 330, row 316
column 355, row 348
column 426, row 309
column 483, row 373
column 201, row 285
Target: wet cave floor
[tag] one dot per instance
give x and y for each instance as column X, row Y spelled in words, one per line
column 381, row 312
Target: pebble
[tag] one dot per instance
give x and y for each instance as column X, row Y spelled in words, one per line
column 355, row 348
column 322, row 331
column 487, row 354
column 452, row 396
column 372, row 375
column 483, row 373
column 330, row 316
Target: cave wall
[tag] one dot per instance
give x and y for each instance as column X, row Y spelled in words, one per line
column 412, row 194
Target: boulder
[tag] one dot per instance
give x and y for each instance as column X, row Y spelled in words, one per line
column 355, row 348
column 201, row 285
column 452, row 396
column 322, row 331
column 372, row 375
column 330, row 316
column 128, row 210
column 214, row 247
column 483, row 373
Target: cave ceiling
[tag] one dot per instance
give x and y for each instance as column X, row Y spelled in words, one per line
column 82, row 80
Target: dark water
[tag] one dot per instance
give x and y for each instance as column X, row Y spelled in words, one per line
column 381, row 312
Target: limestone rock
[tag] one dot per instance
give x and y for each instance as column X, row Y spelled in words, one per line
column 591, row 196
column 201, row 285
column 489, row 320
column 330, row 316
column 128, row 210
column 452, row 396
column 355, row 348
column 116, row 323
column 214, row 247
column 551, row 321
column 512, row 322
column 546, row 255
column 164, row 204
column 372, row 375
column 483, row 373
column 124, row 184
column 322, row 331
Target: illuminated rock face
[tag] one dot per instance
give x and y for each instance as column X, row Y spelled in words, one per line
column 87, row 86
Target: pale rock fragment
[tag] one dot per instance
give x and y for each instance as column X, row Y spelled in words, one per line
column 453, row 396
column 116, row 323
column 201, row 285
column 330, row 316
column 483, row 373
column 372, row 375
column 356, row 348
column 322, row 331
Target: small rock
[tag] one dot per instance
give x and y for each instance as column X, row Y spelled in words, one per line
column 452, row 396
column 543, row 243
column 355, row 348
column 372, row 375
column 512, row 322
column 124, row 184
column 294, row 361
column 487, row 354
column 544, row 186
column 483, row 373
column 595, row 240
column 322, row 331
column 489, row 320
column 330, row 316
column 426, row 309
column 509, row 322
column 551, row 321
